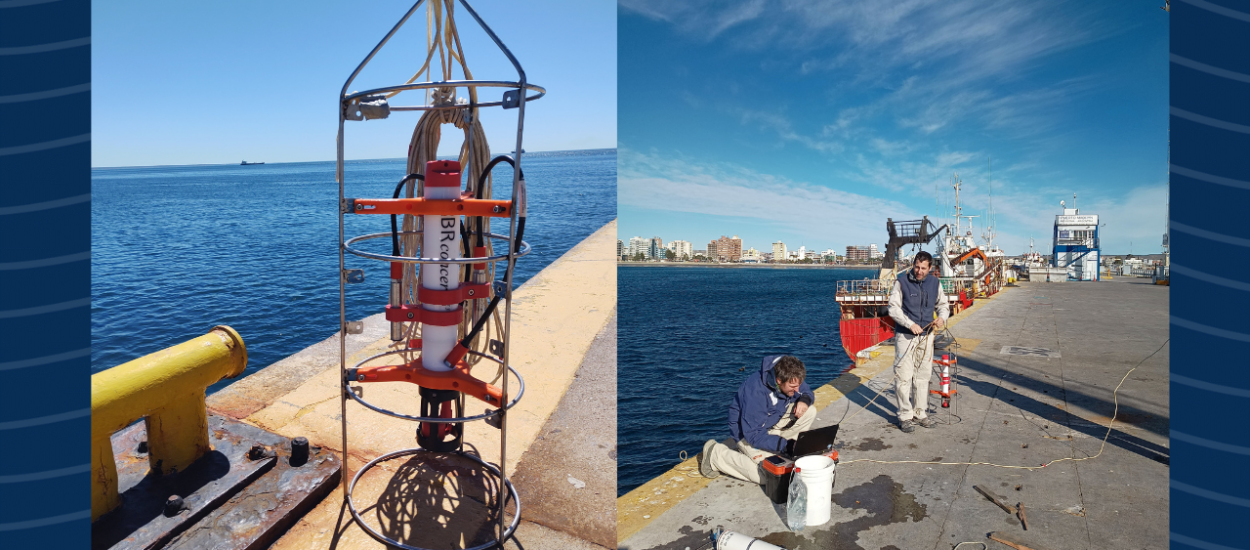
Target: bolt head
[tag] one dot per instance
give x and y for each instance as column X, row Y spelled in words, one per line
column 299, row 451
column 257, row 452
column 174, row 505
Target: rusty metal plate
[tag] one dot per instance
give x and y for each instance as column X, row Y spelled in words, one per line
column 140, row 522
column 255, row 517
column 1030, row 352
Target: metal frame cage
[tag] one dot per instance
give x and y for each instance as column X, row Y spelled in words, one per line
column 370, row 104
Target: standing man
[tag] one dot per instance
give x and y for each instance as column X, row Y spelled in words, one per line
column 770, row 411
column 913, row 300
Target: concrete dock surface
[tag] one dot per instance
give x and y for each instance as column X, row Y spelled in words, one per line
column 568, row 476
column 1038, row 366
column 559, row 332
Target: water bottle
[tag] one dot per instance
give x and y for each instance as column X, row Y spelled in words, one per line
column 796, row 503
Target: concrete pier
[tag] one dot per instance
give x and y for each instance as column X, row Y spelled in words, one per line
column 560, row 339
column 1039, row 363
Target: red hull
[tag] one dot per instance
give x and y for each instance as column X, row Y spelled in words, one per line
column 965, row 299
column 861, row 334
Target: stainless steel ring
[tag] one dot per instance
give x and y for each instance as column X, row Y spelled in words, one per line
column 525, row 249
column 351, row 507
column 448, row 84
column 456, row 420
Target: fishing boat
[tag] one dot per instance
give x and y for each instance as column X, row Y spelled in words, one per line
column 966, row 270
column 865, row 320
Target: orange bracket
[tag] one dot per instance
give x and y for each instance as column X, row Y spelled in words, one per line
column 456, row 379
column 413, row 313
column 463, row 206
column 467, row 291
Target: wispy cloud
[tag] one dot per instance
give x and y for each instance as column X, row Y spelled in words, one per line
column 937, row 63
column 978, row 37
column 655, row 181
column 895, row 97
column 778, row 122
column 914, row 177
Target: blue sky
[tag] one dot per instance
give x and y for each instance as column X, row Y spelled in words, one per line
column 813, row 122
column 219, row 82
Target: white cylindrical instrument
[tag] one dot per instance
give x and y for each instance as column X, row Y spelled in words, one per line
column 441, row 239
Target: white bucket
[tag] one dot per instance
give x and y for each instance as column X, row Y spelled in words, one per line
column 817, row 473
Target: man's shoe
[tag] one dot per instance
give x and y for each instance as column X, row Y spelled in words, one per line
column 907, row 426
column 705, row 466
column 926, row 422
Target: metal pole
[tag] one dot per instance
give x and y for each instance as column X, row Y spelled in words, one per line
column 342, row 300
column 512, row 248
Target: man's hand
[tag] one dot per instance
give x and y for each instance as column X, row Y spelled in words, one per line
column 915, row 329
column 799, row 409
column 939, row 323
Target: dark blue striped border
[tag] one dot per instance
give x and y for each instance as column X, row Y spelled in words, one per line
column 1210, row 238
column 45, row 273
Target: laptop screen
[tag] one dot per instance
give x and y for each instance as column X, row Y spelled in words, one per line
column 815, row 441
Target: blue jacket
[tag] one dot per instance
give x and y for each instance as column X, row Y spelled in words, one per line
column 759, row 405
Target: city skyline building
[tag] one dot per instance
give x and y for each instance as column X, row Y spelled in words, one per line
column 681, row 248
column 856, row 252
column 638, row 245
column 779, row 251
column 729, row 249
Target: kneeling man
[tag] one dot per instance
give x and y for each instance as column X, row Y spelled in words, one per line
column 771, row 409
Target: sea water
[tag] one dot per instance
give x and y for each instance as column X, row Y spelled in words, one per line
column 179, row 249
column 688, row 336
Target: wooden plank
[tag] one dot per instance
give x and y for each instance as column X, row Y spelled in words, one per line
column 994, row 499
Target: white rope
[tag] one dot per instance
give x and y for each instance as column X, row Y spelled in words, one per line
column 443, row 40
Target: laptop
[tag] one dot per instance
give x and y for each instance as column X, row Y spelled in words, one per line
column 815, row 441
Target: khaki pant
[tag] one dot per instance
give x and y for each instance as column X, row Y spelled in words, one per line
column 743, row 463
column 909, row 377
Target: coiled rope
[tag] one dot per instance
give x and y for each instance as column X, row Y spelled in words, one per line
column 443, row 41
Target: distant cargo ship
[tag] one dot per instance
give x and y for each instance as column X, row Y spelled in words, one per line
column 246, row 163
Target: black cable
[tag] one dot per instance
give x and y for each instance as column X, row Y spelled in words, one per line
column 520, row 230
column 394, row 226
column 481, row 185
column 481, row 321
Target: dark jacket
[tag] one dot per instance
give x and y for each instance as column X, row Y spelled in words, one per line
column 919, row 297
column 759, row 405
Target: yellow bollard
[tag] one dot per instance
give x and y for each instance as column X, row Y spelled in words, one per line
column 166, row 389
